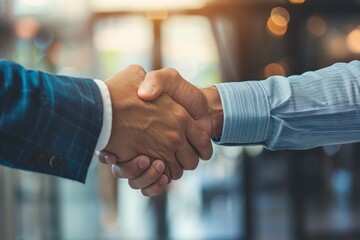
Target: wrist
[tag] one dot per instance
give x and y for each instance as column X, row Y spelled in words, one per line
column 215, row 110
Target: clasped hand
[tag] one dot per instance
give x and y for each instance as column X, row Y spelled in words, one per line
column 161, row 126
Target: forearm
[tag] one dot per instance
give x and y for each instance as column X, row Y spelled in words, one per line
column 299, row 112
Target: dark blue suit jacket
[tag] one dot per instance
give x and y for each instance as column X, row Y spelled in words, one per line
column 48, row 123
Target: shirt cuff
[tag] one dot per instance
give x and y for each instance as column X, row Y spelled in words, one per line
column 107, row 116
column 246, row 113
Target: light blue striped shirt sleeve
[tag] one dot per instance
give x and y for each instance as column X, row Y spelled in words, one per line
column 297, row 112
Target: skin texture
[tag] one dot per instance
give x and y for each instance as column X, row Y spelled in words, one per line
column 204, row 105
column 160, row 129
column 150, row 182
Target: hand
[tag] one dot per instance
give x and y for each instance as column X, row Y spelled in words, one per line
column 160, row 129
column 151, row 182
column 203, row 105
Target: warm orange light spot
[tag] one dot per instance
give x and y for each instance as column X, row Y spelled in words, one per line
column 316, row 26
column 280, row 16
column 336, row 45
column 276, row 29
column 26, row 28
column 273, row 69
column 297, row 1
column 278, row 21
column 353, row 41
column 157, row 15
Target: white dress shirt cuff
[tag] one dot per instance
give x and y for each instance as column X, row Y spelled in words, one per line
column 107, row 116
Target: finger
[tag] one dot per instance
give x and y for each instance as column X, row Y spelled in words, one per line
column 199, row 139
column 167, row 172
column 187, row 156
column 176, row 170
column 156, row 188
column 150, row 176
column 132, row 168
column 106, row 157
column 169, row 81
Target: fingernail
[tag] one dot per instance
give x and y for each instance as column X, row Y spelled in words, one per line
column 160, row 167
column 146, row 89
column 110, row 160
column 115, row 170
column 143, row 163
column 164, row 180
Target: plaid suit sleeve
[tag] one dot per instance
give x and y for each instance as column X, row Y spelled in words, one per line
column 48, row 124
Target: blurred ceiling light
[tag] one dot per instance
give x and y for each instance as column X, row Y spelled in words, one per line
column 30, row 7
column 127, row 34
column 297, row 1
column 275, row 29
column 273, row 69
column 278, row 21
column 26, row 28
column 158, row 15
column 32, row 3
column 353, row 41
column 145, row 5
column 316, row 26
column 280, row 16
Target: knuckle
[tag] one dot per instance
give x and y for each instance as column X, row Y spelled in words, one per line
column 137, row 69
column 205, row 141
column 172, row 72
column 193, row 163
column 181, row 116
column 174, row 139
column 145, row 192
column 177, row 173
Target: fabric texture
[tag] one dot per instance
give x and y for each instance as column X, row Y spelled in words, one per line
column 49, row 123
column 298, row 112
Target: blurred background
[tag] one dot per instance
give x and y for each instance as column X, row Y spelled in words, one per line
column 242, row 192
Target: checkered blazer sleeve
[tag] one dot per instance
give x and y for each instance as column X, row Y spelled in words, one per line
column 48, row 123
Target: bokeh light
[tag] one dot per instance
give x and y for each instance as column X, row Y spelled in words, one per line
column 316, row 26
column 157, row 15
column 277, row 23
column 27, row 28
column 145, row 5
column 336, row 45
column 129, row 34
column 275, row 69
column 280, row 16
column 297, row 1
column 353, row 40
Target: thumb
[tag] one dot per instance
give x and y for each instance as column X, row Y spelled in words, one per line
column 152, row 86
column 169, row 81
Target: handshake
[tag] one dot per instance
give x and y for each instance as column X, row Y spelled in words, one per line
column 161, row 126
